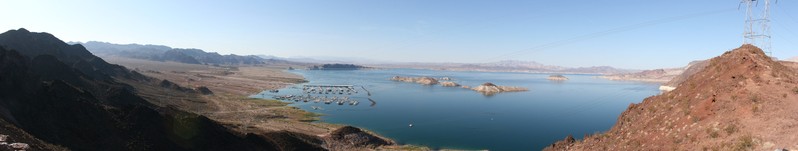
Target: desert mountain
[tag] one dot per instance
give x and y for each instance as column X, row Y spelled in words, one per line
column 508, row 66
column 60, row 94
column 691, row 68
column 793, row 59
column 165, row 53
column 742, row 100
column 663, row 75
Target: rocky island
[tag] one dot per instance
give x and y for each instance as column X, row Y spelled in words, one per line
column 557, row 77
column 419, row 80
column 486, row 88
column 490, row 89
column 449, row 84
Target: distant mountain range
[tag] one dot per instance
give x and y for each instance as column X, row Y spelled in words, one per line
column 198, row 56
column 508, row 66
column 165, row 53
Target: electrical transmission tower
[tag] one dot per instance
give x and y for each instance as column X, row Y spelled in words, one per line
column 757, row 24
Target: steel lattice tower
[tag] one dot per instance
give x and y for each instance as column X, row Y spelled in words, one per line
column 757, row 24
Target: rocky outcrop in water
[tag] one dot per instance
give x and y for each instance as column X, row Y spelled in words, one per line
column 557, row 77
column 490, row 89
column 419, row 80
column 449, row 84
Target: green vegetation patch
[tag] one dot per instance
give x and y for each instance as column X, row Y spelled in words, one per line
column 266, row 102
column 310, row 117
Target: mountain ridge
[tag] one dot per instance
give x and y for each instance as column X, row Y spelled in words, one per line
column 508, row 66
column 166, row 53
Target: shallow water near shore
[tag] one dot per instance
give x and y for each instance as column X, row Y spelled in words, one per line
column 459, row 118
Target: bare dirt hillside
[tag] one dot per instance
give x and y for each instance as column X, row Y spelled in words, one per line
column 742, row 100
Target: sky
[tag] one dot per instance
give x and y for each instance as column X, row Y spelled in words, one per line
column 631, row 34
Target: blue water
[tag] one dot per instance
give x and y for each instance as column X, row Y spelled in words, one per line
column 458, row 118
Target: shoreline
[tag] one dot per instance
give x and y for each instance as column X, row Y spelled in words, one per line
column 233, row 102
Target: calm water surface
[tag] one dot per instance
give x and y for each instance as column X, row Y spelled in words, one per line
column 458, row 118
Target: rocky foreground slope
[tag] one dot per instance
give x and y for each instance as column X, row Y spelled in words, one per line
column 55, row 96
column 742, row 100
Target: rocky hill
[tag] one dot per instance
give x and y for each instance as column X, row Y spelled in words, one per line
column 61, row 94
column 165, row 53
column 742, row 100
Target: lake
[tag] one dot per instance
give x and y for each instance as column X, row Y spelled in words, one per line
column 458, row 118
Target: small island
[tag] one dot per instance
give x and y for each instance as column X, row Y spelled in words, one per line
column 337, row 67
column 486, row 88
column 557, row 77
column 449, row 84
column 419, row 80
column 490, row 89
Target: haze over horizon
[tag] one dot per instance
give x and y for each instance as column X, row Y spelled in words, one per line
column 624, row 34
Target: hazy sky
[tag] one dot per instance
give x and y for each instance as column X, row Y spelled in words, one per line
column 637, row 34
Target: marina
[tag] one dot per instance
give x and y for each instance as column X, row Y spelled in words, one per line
column 322, row 93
